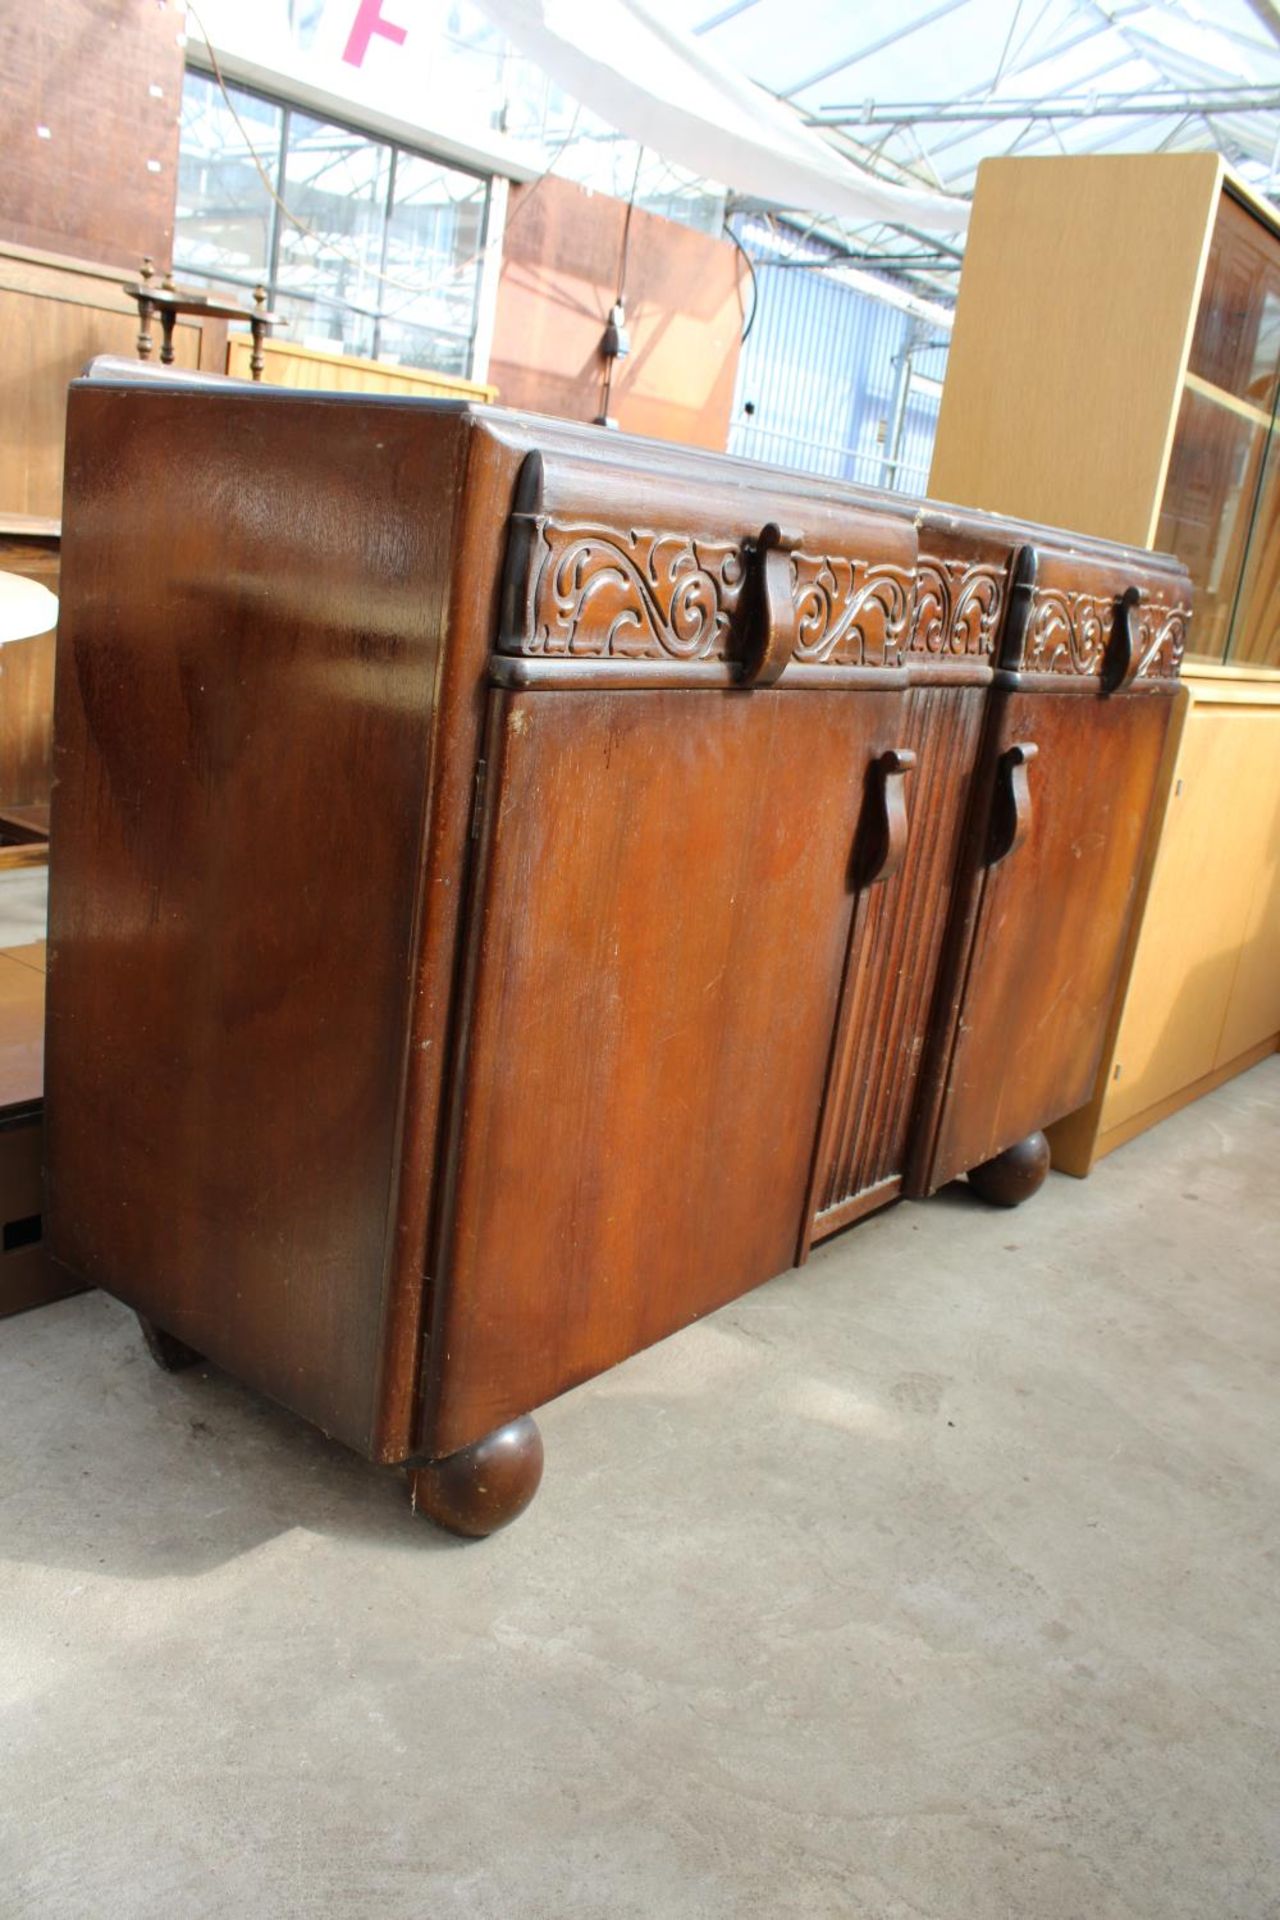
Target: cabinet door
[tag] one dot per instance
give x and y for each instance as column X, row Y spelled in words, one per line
column 1210, row 504
column 1065, row 785
column 900, row 917
column 1205, row 985
column 1236, row 343
column 658, row 936
column 1222, row 491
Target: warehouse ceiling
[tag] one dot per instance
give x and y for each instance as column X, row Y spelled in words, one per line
column 921, row 91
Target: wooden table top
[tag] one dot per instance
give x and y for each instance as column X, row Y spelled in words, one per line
column 29, row 526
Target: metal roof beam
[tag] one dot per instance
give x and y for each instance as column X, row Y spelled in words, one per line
column 1027, row 62
column 970, row 132
column 877, row 46
column 1027, row 144
column 1099, row 106
column 898, row 261
column 725, row 14
column 1185, row 68
column 1245, row 40
column 1266, row 12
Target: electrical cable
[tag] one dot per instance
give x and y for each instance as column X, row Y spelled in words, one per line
column 626, row 227
column 606, row 389
column 748, row 320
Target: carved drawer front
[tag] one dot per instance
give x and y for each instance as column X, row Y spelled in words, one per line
column 1063, row 793
column 962, row 592
column 675, row 577
column 1109, row 620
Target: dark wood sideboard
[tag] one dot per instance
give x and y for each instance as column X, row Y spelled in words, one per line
column 515, row 888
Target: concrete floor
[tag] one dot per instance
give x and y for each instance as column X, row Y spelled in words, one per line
column 936, row 1582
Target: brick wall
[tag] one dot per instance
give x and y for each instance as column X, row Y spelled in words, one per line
column 90, row 92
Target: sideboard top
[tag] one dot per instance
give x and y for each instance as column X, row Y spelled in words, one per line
column 639, row 558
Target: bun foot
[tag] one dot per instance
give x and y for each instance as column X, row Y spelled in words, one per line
column 482, row 1487
column 173, row 1355
column 1014, row 1175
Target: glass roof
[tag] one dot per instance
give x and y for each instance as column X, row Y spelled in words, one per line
column 923, row 90
column 918, row 92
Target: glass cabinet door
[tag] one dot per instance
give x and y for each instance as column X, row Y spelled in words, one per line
column 1255, row 627
column 1222, row 495
column 1208, row 507
column 1236, row 344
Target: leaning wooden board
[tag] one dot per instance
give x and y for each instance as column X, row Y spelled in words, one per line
column 515, row 887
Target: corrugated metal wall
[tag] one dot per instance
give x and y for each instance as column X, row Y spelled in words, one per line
column 818, row 382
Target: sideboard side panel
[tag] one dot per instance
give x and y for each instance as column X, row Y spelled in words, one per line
column 457, row 724
column 254, row 599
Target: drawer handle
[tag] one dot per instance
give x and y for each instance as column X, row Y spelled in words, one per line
column 775, row 635
column 1123, row 657
column 1011, row 813
column 887, row 821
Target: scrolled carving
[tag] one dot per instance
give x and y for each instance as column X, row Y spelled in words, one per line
column 933, row 608
column 1162, row 640
column 849, row 613
column 588, row 591
column 958, row 608
column 979, row 605
column 629, row 594
column 1068, row 633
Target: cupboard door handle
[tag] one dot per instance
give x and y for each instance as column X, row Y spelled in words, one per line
column 1123, row 655
column 886, row 843
column 1011, row 813
column 775, row 636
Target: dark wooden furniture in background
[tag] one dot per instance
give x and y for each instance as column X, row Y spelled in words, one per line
column 170, row 304
column 56, row 315
column 513, row 888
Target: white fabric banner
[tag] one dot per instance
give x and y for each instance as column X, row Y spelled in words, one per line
column 659, row 86
column 653, row 83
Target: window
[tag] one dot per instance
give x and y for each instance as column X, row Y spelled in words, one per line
column 379, row 252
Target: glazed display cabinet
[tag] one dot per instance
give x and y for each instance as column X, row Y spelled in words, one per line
column 1115, row 367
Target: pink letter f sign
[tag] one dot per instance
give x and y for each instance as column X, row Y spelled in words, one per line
column 367, row 22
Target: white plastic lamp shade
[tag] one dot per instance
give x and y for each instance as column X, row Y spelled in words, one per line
column 26, row 608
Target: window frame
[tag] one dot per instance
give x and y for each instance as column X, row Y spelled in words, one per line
column 396, row 147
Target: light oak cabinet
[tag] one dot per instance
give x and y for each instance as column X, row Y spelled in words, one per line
column 1202, row 1001
column 1115, row 368
column 286, row 363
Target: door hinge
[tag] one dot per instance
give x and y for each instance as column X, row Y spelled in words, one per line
column 477, row 798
